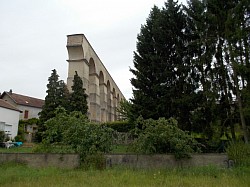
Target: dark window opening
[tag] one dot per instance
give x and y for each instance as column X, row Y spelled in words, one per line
column 26, row 114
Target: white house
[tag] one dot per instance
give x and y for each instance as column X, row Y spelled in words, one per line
column 29, row 106
column 9, row 118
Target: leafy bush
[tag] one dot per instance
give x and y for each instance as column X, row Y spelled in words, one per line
column 22, row 128
column 120, row 126
column 2, row 136
column 88, row 138
column 94, row 161
column 239, row 152
column 163, row 136
column 74, row 132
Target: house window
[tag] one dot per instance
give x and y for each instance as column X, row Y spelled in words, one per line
column 26, row 114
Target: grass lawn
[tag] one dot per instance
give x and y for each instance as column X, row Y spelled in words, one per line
column 121, row 149
column 16, row 150
column 117, row 149
column 12, row 174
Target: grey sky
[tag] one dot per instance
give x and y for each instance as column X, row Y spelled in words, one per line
column 33, row 39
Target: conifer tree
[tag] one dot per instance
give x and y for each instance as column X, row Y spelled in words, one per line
column 57, row 95
column 78, row 97
column 219, row 32
column 164, row 81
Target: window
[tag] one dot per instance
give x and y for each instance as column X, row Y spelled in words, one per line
column 26, row 114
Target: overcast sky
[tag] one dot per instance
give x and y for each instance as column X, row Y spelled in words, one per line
column 33, row 36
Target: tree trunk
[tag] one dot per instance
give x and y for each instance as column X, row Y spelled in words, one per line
column 239, row 102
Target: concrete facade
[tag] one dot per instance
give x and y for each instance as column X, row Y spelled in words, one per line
column 133, row 161
column 39, row 160
column 104, row 95
column 161, row 161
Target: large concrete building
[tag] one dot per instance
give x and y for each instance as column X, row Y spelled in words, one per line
column 104, row 95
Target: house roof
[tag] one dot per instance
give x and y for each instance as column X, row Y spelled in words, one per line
column 5, row 104
column 24, row 100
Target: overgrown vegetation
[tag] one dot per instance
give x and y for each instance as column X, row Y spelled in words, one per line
column 2, row 136
column 120, row 126
column 22, row 125
column 74, row 133
column 58, row 96
column 163, row 136
column 239, row 152
column 21, row 175
column 192, row 63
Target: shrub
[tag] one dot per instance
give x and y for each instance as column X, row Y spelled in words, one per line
column 239, row 152
column 163, row 136
column 74, row 132
column 94, row 161
column 88, row 138
column 119, row 126
column 2, row 136
column 22, row 126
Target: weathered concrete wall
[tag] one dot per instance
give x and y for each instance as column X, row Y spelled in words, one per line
column 135, row 161
column 166, row 161
column 43, row 160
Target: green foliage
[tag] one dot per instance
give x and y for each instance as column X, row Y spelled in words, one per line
column 88, row 138
column 78, row 97
column 120, row 126
column 94, row 161
column 125, row 110
column 52, row 148
column 75, row 133
column 20, row 149
column 239, row 152
column 163, row 136
column 12, row 174
column 164, row 80
column 57, row 95
column 21, row 128
column 2, row 136
column 192, row 63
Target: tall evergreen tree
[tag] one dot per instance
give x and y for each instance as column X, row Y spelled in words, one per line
column 237, row 29
column 78, row 97
column 217, row 28
column 200, row 51
column 64, row 95
column 53, row 98
column 164, row 83
column 57, row 95
column 192, row 63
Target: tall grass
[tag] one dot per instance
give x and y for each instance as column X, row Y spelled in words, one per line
column 239, row 152
column 20, row 175
column 16, row 150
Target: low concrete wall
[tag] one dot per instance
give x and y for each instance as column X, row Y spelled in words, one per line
column 166, row 161
column 43, row 160
column 135, row 161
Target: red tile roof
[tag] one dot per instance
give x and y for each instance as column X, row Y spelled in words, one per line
column 24, row 100
column 5, row 104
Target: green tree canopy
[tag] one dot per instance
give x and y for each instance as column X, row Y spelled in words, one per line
column 164, row 84
column 57, row 95
column 78, row 97
column 192, row 63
